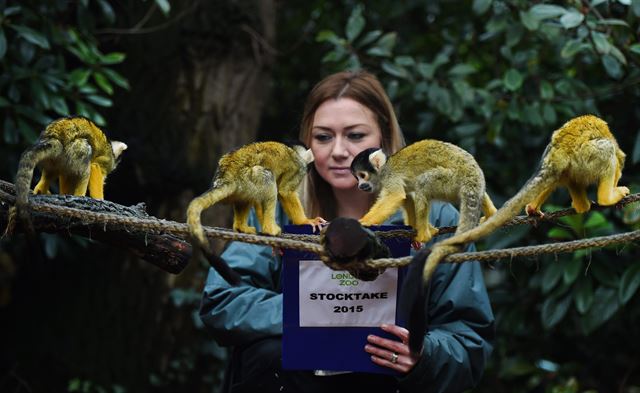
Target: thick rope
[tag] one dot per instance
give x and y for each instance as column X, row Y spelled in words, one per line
column 309, row 243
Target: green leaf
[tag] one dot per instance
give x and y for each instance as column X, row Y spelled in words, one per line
column 612, row 22
column 597, row 2
column 559, row 233
column 328, row 36
column 369, row 38
column 635, row 156
column 513, row 79
column 4, row 102
column 549, row 113
column 572, row 269
column 32, row 36
column 116, row 78
column 571, row 19
column 529, row 21
column 60, row 106
column 462, row 70
column 79, row 77
column 481, row 6
column 395, row 70
column 546, row 90
column 635, row 48
column 107, row 10
column 583, row 294
column 554, row 309
column 571, row 48
column 595, row 220
column 604, row 274
column 426, row 70
column 164, row 5
column 386, row 43
column 355, row 24
column 3, row 43
column 12, row 10
column 546, row 11
column 99, row 100
column 112, row 58
column 103, row 82
column 601, row 311
column 615, row 52
column 629, row 283
column 551, row 276
column 612, row 66
column 635, row 6
column 602, row 43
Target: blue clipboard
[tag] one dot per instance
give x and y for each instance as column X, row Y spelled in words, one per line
column 328, row 348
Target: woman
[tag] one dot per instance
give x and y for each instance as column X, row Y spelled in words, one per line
column 346, row 113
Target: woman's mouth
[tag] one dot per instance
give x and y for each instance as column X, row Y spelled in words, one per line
column 340, row 170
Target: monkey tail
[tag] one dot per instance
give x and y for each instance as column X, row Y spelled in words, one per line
column 546, row 177
column 41, row 150
column 199, row 242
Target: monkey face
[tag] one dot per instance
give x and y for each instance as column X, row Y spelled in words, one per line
column 364, row 182
column 364, row 171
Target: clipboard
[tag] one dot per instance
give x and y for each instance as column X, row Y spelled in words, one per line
column 332, row 347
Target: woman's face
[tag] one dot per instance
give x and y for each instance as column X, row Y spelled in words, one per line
column 341, row 129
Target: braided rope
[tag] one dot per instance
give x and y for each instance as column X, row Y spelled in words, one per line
column 309, row 243
column 527, row 251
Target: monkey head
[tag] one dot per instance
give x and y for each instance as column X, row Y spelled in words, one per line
column 366, row 167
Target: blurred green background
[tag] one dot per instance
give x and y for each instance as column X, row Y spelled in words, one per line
column 182, row 82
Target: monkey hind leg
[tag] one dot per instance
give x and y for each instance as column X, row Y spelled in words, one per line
column 240, row 217
column 268, row 207
column 96, row 181
column 488, row 208
column 579, row 199
column 609, row 193
column 424, row 230
column 533, row 207
column 44, row 185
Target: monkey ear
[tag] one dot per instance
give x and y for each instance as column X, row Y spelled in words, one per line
column 307, row 156
column 377, row 159
column 118, row 148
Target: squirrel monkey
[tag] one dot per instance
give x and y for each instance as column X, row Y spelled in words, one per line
column 255, row 175
column 72, row 150
column 417, row 174
column 582, row 152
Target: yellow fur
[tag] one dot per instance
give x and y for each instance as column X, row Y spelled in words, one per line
column 417, row 174
column 582, row 152
column 256, row 175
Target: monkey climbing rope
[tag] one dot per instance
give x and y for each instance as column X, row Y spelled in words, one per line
column 309, row 243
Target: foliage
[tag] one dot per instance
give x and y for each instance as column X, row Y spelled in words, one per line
column 51, row 66
column 495, row 77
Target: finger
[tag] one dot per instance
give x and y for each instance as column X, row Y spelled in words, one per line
column 399, row 331
column 399, row 366
column 389, row 345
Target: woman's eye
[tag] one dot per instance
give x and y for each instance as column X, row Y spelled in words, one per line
column 357, row 135
column 322, row 137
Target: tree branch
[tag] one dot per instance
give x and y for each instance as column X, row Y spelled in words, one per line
column 166, row 251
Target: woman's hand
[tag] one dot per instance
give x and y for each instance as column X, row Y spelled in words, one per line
column 390, row 353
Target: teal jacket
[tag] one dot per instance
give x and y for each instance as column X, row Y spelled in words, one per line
column 461, row 323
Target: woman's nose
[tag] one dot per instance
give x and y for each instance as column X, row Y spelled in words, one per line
column 340, row 148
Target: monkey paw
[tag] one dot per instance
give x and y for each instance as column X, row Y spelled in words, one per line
column 533, row 211
column 245, row 229
column 316, row 223
column 272, row 230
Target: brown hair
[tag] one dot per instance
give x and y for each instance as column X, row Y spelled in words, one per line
column 360, row 86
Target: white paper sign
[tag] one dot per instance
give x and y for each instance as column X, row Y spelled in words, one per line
column 336, row 298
